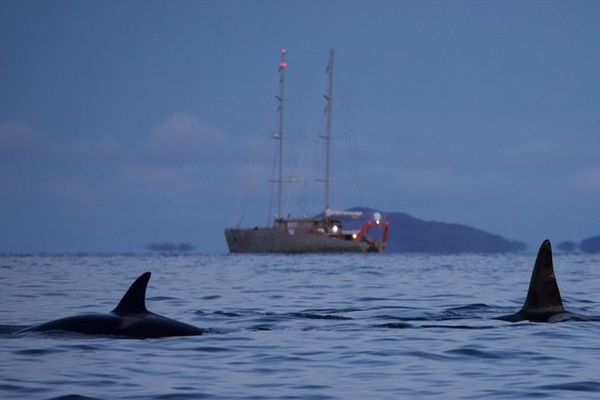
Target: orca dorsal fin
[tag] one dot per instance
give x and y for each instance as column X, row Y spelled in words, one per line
column 134, row 301
column 543, row 295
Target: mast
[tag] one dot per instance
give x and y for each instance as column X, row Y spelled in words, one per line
column 329, row 98
column 279, row 135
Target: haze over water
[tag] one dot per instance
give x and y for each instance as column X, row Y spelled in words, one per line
column 318, row 327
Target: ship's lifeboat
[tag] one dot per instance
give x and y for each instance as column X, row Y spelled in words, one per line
column 375, row 245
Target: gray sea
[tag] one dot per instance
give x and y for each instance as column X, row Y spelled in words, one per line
column 301, row 327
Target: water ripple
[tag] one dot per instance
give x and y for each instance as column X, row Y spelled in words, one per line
column 583, row 386
column 73, row 397
column 301, row 327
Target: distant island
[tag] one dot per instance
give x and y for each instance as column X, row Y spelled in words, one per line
column 166, row 247
column 409, row 234
column 589, row 245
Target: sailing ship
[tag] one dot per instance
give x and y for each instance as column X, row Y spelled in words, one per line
column 323, row 233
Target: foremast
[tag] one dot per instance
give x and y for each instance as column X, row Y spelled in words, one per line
column 327, row 136
column 279, row 134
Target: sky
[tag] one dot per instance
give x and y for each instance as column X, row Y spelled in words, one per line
column 125, row 123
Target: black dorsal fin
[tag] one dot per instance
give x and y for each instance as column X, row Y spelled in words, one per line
column 134, row 301
column 543, row 295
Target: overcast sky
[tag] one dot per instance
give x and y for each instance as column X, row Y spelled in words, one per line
column 126, row 123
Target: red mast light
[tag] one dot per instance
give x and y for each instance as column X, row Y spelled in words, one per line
column 283, row 64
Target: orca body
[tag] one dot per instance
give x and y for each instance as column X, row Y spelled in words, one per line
column 129, row 319
column 543, row 302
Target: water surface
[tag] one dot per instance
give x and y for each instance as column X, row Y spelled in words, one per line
column 296, row 327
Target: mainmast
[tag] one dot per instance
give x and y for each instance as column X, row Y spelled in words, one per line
column 329, row 98
column 279, row 135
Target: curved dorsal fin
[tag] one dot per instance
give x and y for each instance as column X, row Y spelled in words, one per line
column 134, row 301
column 543, row 294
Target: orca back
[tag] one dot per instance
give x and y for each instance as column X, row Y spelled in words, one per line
column 130, row 318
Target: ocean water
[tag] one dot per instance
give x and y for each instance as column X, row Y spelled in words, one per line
column 301, row 327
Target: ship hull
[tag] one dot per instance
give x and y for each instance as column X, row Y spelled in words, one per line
column 277, row 240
